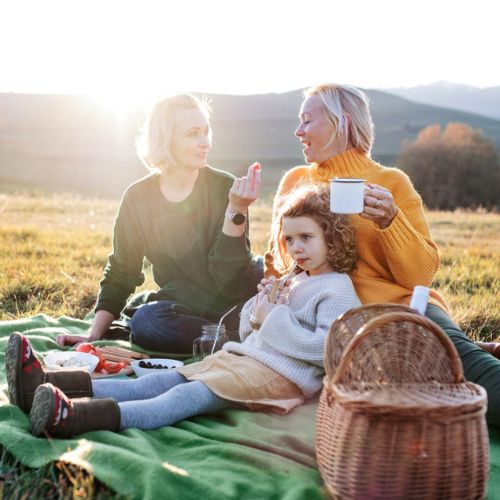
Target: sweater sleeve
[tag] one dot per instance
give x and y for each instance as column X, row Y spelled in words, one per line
column 123, row 273
column 282, row 331
column 412, row 256
column 229, row 257
column 229, row 264
column 245, row 329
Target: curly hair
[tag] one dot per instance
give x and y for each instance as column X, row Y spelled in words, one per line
column 314, row 201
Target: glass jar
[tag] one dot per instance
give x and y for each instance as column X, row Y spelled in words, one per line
column 212, row 339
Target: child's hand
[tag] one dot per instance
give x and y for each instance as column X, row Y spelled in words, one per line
column 262, row 307
column 263, row 283
column 266, row 283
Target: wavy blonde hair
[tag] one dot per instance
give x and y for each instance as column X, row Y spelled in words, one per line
column 347, row 110
column 153, row 144
column 314, row 201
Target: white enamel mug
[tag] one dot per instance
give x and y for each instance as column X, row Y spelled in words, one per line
column 347, row 196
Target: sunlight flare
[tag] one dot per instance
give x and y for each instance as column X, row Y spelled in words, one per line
column 79, row 454
column 175, row 470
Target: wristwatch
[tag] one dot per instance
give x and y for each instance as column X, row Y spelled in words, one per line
column 237, row 218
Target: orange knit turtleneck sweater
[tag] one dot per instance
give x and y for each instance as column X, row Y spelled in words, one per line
column 391, row 261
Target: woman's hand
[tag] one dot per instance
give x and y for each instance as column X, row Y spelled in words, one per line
column 245, row 190
column 100, row 325
column 379, row 206
column 67, row 339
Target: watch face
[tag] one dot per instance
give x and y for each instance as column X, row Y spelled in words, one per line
column 238, row 219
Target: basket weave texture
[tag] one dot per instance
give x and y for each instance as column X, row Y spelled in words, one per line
column 396, row 419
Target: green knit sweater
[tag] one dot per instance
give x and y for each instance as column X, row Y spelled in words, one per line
column 193, row 262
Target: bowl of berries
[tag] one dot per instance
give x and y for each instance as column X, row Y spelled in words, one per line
column 153, row 365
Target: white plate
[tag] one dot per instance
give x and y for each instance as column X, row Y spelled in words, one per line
column 169, row 363
column 54, row 359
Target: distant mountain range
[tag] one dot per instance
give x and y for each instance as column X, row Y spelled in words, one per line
column 70, row 142
column 484, row 102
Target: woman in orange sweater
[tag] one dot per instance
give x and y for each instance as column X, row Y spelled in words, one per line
column 394, row 245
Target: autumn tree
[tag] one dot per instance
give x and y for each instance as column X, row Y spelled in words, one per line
column 453, row 167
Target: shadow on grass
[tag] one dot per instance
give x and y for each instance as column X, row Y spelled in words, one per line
column 55, row 480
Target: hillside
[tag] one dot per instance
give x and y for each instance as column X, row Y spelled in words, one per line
column 485, row 102
column 71, row 142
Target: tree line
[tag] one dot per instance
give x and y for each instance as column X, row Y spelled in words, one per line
column 453, row 167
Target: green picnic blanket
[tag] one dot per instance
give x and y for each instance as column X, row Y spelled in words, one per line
column 234, row 454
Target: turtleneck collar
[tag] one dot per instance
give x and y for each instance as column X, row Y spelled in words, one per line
column 350, row 163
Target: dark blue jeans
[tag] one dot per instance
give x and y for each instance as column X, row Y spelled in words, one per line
column 165, row 326
column 479, row 366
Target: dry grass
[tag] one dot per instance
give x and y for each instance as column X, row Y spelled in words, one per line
column 469, row 276
column 52, row 253
column 56, row 480
column 53, row 249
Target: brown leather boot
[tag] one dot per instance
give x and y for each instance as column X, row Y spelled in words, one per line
column 492, row 347
column 59, row 416
column 25, row 374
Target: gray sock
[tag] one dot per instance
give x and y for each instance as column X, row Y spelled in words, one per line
column 146, row 387
column 182, row 401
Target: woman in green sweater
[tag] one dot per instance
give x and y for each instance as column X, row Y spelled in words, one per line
column 190, row 222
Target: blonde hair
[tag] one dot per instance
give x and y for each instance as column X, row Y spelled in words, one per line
column 314, row 201
column 342, row 101
column 153, row 144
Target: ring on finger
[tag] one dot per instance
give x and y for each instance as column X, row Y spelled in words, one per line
column 376, row 204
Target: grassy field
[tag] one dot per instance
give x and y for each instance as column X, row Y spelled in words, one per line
column 53, row 249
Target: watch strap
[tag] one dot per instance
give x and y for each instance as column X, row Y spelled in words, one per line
column 236, row 218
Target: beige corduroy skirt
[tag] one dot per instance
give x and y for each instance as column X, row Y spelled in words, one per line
column 245, row 380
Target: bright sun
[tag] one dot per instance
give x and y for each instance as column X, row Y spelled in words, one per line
column 118, row 104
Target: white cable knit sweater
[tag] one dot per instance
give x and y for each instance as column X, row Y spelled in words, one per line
column 291, row 339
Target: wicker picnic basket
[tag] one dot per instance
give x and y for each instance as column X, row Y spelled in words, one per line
column 396, row 418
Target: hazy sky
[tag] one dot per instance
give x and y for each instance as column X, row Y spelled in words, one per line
column 124, row 48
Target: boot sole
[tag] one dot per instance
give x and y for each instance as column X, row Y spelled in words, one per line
column 13, row 368
column 42, row 411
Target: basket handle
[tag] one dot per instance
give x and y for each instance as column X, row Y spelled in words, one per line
column 373, row 310
column 400, row 317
